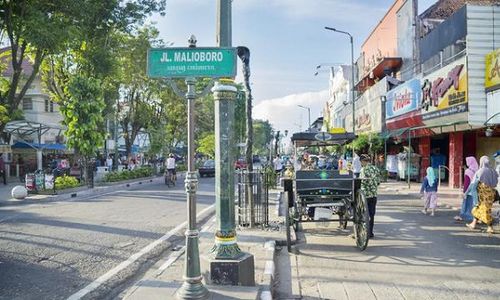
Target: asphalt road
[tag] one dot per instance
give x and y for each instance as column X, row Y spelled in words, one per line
column 413, row 256
column 53, row 250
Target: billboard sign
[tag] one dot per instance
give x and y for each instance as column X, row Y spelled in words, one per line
column 444, row 92
column 403, row 99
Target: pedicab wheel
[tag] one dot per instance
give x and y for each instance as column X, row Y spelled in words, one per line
column 361, row 221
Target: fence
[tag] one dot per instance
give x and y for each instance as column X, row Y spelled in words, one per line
column 253, row 198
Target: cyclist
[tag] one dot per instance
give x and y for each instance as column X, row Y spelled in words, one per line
column 170, row 169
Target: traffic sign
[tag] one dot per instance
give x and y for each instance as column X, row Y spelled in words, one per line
column 191, row 62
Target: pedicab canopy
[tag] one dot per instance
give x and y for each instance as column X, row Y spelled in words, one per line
column 303, row 139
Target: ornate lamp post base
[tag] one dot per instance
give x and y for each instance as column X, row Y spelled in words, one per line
column 192, row 290
column 232, row 271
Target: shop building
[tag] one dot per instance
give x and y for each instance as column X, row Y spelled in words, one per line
column 441, row 111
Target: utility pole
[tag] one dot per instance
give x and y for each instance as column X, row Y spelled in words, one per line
column 226, row 257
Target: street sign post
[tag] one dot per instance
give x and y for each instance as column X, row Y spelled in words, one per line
column 191, row 62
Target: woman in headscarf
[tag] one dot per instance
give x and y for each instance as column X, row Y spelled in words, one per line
column 429, row 191
column 487, row 182
column 470, row 190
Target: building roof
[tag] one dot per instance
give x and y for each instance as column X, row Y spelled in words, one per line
column 443, row 9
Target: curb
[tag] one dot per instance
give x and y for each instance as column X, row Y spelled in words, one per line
column 269, row 271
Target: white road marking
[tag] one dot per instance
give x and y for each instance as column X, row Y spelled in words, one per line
column 99, row 281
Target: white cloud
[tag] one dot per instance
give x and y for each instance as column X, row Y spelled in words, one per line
column 284, row 113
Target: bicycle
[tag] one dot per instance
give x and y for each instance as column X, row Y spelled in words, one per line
column 170, row 177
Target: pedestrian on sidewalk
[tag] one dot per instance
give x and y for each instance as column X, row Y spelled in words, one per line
column 2, row 169
column 470, row 190
column 356, row 165
column 370, row 180
column 429, row 191
column 486, row 190
column 278, row 164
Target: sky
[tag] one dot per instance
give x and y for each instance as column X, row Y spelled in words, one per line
column 287, row 40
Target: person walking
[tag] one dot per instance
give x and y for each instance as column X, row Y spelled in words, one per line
column 2, row 169
column 109, row 163
column 429, row 191
column 278, row 164
column 356, row 165
column 486, row 190
column 470, row 195
column 369, row 185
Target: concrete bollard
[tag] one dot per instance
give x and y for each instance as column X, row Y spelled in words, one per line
column 19, row 192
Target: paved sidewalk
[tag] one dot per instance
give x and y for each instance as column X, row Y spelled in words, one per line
column 447, row 197
column 7, row 200
column 163, row 280
column 413, row 256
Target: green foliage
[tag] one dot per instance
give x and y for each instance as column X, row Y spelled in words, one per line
column 127, row 175
column 368, row 143
column 4, row 116
column 270, row 176
column 82, row 113
column 206, row 145
column 66, row 182
column 261, row 137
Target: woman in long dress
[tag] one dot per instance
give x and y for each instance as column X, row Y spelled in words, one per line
column 470, row 190
column 488, row 179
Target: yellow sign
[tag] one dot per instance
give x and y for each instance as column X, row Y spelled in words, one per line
column 444, row 92
column 337, row 130
column 492, row 72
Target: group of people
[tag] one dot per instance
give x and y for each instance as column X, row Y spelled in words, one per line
column 479, row 193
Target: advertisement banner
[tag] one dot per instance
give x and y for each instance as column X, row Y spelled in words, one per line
column 369, row 109
column 444, row 92
column 402, row 99
column 492, row 71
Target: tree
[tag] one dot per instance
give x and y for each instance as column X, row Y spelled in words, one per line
column 33, row 29
column 82, row 116
column 207, row 145
column 262, row 136
column 370, row 143
column 94, row 50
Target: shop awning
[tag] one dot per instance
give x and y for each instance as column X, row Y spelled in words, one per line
column 379, row 71
column 420, row 131
column 50, row 147
column 393, row 133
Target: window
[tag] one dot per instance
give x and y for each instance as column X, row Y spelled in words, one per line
column 49, row 106
column 27, row 104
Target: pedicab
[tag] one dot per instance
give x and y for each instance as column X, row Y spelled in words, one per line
column 325, row 195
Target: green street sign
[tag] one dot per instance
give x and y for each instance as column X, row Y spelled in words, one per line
column 191, row 62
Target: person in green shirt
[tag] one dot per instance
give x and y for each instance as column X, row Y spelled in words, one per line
column 370, row 177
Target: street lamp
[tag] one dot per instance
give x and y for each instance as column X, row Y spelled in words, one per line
column 331, row 65
column 352, row 74
column 309, row 114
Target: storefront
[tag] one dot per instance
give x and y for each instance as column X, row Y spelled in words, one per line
column 401, row 113
column 369, row 110
column 434, row 111
column 489, row 142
